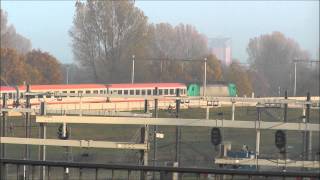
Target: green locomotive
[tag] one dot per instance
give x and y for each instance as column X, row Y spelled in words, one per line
column 218, row 90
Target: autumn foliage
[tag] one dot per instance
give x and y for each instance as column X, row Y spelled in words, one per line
column 35, row 67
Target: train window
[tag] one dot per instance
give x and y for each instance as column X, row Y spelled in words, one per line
column 104, row 91
column 125, row 92
column 154, row 92
column 143, row 92
column 182, row 91
column 114, row 92
column 120, row 92
column 88, row 92
column 21, row 95
column 101, row 91
column 138, row 92
column 131, row 92
column 55, row 94
column 166, row 92
column 171, row 91
column 80, row 92
column 149, row 91
column 10, row 95
column 48, row 96
column 64, row 92
column 72, row 92
column 160, row 91
column 95, row 92
column 40, row 96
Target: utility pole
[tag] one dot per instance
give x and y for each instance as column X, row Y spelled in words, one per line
column 67, row 74
column 308, row 134
column 295, row 61
column 155, row 130
column 43, row 135
column 295, row 79
column 3, row 129
column 27, row 133
column 178, row 138
column 285, row 120
column 205, row 77
column 132, row 73
column 178, row 130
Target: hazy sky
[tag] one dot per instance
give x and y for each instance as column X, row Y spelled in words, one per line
column 46, row 23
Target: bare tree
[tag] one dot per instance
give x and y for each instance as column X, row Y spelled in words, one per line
column 181, row 42
column 271, row 55
column 105, row 34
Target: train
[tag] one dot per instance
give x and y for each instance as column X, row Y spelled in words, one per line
column 136, row 89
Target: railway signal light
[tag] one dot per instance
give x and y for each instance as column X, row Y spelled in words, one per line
column 216, row 136
column 280, row 140
column 60, row 133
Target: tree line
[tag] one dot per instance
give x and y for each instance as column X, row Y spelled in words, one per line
column 106, row 34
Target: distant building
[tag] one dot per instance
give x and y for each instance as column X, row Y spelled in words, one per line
column 221, row 48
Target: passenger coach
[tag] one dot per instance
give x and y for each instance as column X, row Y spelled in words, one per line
column 165, row 89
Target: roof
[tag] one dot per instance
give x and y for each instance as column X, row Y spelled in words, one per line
column 6, row 88
column 64, row 86
column 94, row 86
column 148, row 85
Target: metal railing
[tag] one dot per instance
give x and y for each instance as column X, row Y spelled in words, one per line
column 165, row 171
